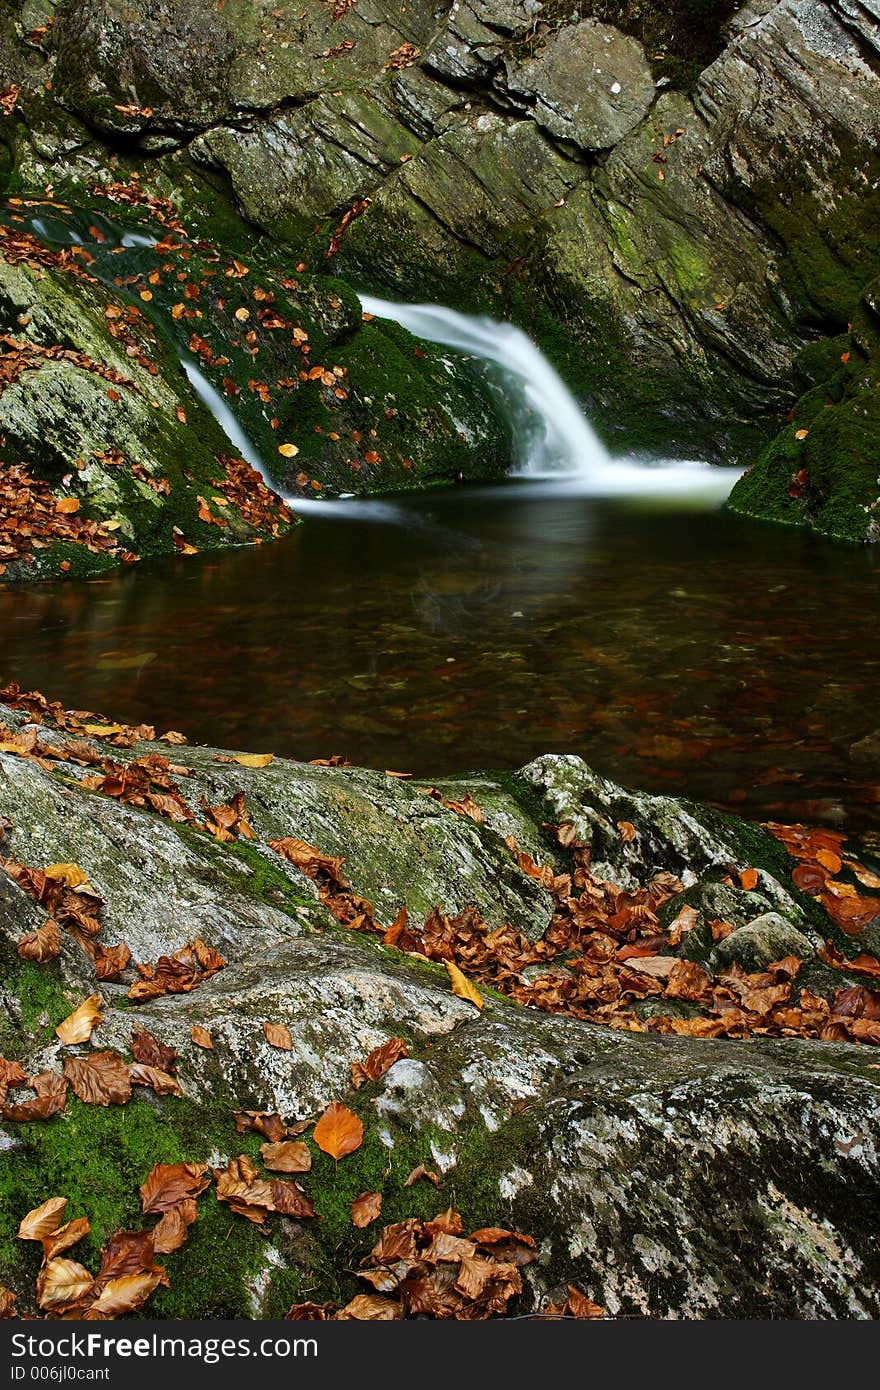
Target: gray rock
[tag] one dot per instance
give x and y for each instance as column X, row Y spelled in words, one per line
column 765, row 939
column 589, row 84
column 867, row 749
column 535, row 1122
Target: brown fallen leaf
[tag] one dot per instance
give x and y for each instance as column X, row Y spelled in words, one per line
column 50, row 1098
column 371, row 1307
column 43, row 944
column 66, row 1236
column 79, row 1026
column 462, row 986
column 299, row 1312
column 8, row 1301
column 61, row 1284
column 749, row 879
column 102, row 1078
column 278, row 1035
column 378, row 1062
column 287, row 1156
column 172, row 1228
column 627, row 831
column 263, row 1121
column 161, row 1081
column 201, row 1037
column 422, row 1172
column 166, row 1184
column 71, row 874
column 339, row 1131
column 123, row 1295
column 43, row 1220
column 147, row 1049
column 366, row 1208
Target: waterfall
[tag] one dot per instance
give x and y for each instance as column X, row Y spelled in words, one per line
column 553, row 439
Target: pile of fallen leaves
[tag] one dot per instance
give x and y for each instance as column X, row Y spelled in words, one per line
column 132, row 195
column 32, row 518
column 257, row 504
column 605, row 951
column 431, row 1269
column 18, row 246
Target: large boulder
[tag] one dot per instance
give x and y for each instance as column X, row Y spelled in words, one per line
column 630, row 1158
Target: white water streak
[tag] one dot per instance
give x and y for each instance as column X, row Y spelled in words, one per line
column 558, row 443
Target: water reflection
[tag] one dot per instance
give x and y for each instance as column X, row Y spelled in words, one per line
column 688, row 652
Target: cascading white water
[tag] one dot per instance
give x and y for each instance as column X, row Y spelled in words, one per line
column 555, row 443
column 555, row 440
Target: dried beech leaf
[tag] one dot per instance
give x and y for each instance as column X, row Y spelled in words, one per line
column 62, row 1283
column 169, row 1183
column 79, row 1026
column 102, row 1078
column 288, row 1156
column 43, row 1220
column 339, row 1131
column 366, row 1208
column 462, row 986
column 378, row 1062
column 278, row 1035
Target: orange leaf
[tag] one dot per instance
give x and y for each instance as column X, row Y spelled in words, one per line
column 339, row 1131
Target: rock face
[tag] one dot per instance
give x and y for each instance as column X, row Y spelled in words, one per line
column 589, row 84
column 686, row 250
column 666, row 1176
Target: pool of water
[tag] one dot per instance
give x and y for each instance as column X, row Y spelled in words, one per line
column 675, row 647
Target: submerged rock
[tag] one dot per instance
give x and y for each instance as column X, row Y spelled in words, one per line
column 667, row 1176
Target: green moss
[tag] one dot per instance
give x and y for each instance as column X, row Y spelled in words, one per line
column 97, row 1157
column 43, row 999
column 263, row 880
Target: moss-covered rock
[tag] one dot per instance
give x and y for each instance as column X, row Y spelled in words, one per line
column 629, row 1157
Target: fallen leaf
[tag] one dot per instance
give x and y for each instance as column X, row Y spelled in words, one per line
column 43, row 1220
column 254, row 759
column 50, row 1098
column 287, row 1156
column 43, row 944
column 173, row 1227
column 79, row 1026
column 72, row 874
column 339, row 1131
column 66, row 1236
column 288, row 450
column 62, row 1283
column 462, row 986
column 366, row 1208
column 147, row 1049
column 123, row 1295
column 166, row 1184
column 201, row 1037
column 749, row 879
column 370, row 1307
column 278, row 1035
column 160, row 1081
column 263, row 1121
column 378, row 1062
column 422, row 1172
column 102, row 1078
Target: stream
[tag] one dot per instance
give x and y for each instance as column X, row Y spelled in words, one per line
column 601, row 606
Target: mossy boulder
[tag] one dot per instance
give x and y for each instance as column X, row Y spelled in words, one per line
column 534, row 1122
